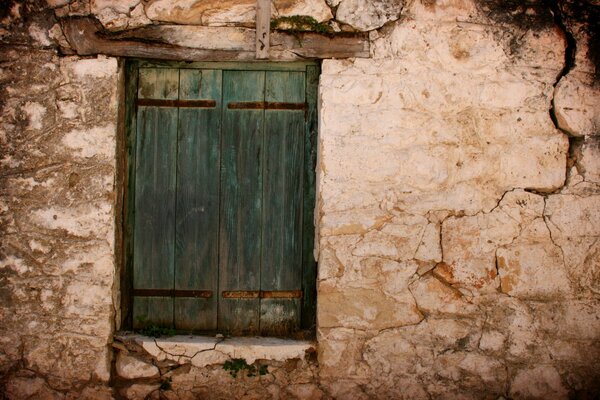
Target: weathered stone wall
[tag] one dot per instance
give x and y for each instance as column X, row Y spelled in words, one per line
column 58, row 130
column 458, row 228
column 458, row 209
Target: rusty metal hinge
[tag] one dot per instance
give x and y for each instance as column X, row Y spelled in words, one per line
column 262, row 294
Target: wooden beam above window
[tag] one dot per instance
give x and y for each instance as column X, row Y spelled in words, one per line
column 198, row 43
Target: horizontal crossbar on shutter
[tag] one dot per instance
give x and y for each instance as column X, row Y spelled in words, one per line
column 173, row 293
column 263, row 294
column 266, row 105
column 177, row 103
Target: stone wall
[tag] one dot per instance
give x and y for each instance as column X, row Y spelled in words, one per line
column 58, row 130
column 458, row 209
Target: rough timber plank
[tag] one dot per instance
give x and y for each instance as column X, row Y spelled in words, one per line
column 87, row 37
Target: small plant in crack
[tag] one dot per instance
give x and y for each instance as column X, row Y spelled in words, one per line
column 153, row 330
column 238, row 365
column 300, row 23
column 165, row 384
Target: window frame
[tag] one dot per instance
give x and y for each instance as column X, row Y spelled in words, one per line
column 129, row 119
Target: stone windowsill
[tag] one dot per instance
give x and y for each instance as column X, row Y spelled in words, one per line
column 201, row 351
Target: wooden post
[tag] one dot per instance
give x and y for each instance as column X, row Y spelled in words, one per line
column 263, row 27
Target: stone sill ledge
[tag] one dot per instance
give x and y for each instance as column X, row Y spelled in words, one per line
column 201, row 351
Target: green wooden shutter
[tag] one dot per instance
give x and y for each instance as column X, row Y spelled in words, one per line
column 155, row 181
column 222, row 188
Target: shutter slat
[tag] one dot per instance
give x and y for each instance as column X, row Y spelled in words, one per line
column 241, row 201
column 282, row 196
column 154, row 221
column 196, row 256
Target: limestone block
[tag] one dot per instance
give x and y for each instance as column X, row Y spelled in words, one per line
column 588, row 158
column 408, row 350
column 340, row 261
column 350, row 222
column 491, row 341
column 470, row 243
column 434, row 296
column 577, row 105
column 88, row 357
column 573, row 221
column 393, row 277
column 305, row 391
column 129, row 367
column 219, row 13
column 364, row 308
column 572, row 320
column 346, row 389
column 532, row 270
column 514, row 325
column 118, row 15
column 138, row 391
column 366, row 15
column 24, row 387
column 397, row 239
column 474, row 371
column 573, row 216
column 430, row 248
column 540, row 382
column 340, row 353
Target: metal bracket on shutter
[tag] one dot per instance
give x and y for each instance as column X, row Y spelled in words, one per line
column 205, row 294
column 266, row 105
column 176, row 103
column 262, row 294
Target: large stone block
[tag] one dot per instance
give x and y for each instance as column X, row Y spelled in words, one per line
column 577, row 104
column 540, row 382
column 195, row 12
column 364, row 308
column 129, row 367
column 366, row 15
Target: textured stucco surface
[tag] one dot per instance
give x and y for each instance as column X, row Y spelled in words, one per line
column 458, row 213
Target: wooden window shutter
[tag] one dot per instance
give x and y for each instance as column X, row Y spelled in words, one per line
column 219, row 234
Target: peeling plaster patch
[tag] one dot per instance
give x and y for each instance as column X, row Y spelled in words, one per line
column 87, row 220
column 35, row 112
column 16, row 264
column 68, row 109
column 101, row 67
column 39, row 35
column 93, row 141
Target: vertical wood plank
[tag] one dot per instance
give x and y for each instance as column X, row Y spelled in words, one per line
column 131, row 82
column 154, row 221
column 282, row 197
column 263, row 28
column 309, row 266
column 197, row 228
column 241, row 201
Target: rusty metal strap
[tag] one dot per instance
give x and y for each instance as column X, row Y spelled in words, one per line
column 205, row 294
column 177, row 103
column 266, row 105
column 262, row 294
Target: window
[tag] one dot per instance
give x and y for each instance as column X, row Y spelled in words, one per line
column 220, row 197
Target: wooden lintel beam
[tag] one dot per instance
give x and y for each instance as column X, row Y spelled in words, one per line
column 87, row 37
column 263, row 28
